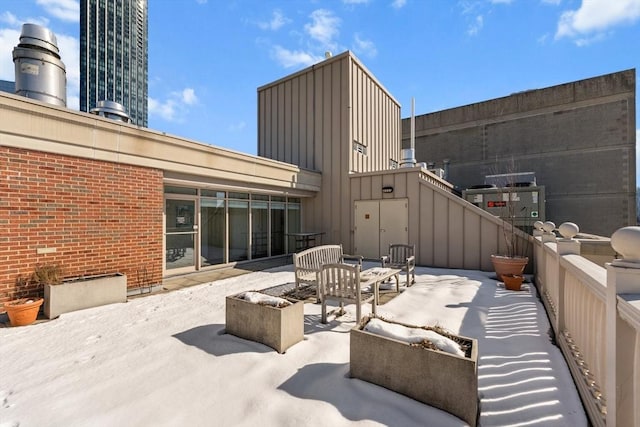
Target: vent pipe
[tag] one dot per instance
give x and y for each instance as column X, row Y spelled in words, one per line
column 408, row 154
column 111, row 110
column 40, row 74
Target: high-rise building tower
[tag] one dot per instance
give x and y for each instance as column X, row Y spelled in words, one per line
column 114, row 55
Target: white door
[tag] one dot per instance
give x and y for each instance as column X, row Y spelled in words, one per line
column 379, row 223
column 367, row 228
column 394, row 223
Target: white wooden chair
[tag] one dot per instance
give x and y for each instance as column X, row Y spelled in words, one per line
column 341, row 282
column 403, row 257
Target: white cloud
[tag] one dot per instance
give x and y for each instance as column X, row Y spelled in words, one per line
column 8, row 40
column 397, row 4
column 165, row 110
column 175, row 107
column 67, row 10
column 324, row 26
column 364, row 47
column 355, row 1
column 237, row 127
column 189, row 96
column 288, row 58
column 277, row 21
column 501, row 1
column 70, row 55
column 476, row 26
column 596, row 16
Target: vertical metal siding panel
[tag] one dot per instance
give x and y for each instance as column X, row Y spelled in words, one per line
column 342, row 97
column 413, row 193
column 488, row 242
column 471, row 245
column 399, row 185
column 310, row 118
column 295, row 120
column 456, row 238
column 260, row 118
column 274, row 123
column 440, row 232
column 330, row 170
column 268, row 134
column 427, row 245
column 366, row 186
column 350, row 114
column 335, row 132
column 285, row 133
column 376, row 187
column 282, row 108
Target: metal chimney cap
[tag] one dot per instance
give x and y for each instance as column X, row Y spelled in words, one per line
column 111, row 109
column 37, row 35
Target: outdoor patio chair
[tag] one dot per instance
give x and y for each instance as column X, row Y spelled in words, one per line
column 341, row 282
column 403, row 257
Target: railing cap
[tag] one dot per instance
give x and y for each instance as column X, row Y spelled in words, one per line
column 626, row 242
column 568, row 230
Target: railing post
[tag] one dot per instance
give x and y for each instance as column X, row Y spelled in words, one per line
column 623, row 277
column 548, row 235
column 566, row 246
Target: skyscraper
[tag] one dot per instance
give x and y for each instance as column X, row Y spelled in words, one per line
column 114, row 55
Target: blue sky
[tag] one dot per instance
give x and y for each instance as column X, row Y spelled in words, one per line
column 208, row 57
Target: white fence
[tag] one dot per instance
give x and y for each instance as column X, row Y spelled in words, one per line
column 595, row 314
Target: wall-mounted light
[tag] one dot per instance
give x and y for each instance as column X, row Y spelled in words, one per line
column 387, row 189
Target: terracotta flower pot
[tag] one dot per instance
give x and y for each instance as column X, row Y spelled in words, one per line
column 23, row 311
column 512, row 282
column 508, row 265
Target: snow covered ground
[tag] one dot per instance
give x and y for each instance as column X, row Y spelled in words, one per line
column 164, row 360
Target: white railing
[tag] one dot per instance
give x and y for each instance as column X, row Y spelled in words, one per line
column 595, row 315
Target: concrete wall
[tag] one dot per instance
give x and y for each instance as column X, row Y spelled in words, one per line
column 317, row 119
column 579, row 139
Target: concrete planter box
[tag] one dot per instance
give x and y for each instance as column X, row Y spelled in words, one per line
column 437, row 378
column 278, row 328
column 84, row 292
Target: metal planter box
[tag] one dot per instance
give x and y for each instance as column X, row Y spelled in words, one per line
column 278, row 328
column 437, row 378
column 84, row 292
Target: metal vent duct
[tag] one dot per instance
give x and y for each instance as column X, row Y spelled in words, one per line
column 40, row 74
column 111, row 110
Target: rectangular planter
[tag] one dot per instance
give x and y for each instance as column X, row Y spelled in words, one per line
column 278, row 328
column 437, row 378
column 84, row 292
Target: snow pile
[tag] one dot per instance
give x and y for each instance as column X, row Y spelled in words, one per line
column 413, row 335
column 264, row 299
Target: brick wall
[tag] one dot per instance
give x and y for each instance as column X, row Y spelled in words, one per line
column 100, row 217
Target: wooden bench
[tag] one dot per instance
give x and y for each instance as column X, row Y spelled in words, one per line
column 308, row 263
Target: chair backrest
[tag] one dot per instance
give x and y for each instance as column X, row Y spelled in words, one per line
column 399, row 253
column 340, row 280
column 317, row 256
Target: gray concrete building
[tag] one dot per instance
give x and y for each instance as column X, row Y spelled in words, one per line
column 579, row 138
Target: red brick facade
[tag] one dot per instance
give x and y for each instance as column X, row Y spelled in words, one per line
column 100, row 217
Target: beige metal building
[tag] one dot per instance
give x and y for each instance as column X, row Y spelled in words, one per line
column 335, row 118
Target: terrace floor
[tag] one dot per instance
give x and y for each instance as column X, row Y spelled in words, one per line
column 165, row 360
